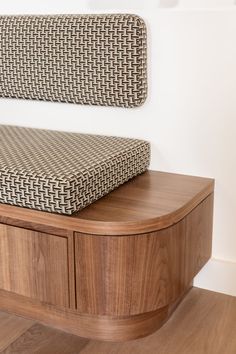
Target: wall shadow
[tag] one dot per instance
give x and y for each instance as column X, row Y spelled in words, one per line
column 131, row 4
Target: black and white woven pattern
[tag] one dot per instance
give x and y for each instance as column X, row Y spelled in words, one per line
column 64, row 172
column 85, row 59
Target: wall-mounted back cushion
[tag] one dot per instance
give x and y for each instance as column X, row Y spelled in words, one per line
column 85, row 59
column 64, row 172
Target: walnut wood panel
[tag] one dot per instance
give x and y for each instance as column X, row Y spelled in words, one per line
column 131, row 274
column 149, row 202
column 198, row 238
column 34, row 265
column 136, row 274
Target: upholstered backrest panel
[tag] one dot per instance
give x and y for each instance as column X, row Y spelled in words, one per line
column 85, row 59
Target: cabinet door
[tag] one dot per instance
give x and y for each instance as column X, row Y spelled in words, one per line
column 34, row 264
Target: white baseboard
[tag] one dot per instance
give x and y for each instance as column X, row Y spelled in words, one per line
column 218, row 275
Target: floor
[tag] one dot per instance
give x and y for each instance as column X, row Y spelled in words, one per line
column 204, row 323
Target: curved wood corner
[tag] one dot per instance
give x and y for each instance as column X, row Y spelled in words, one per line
column 129, row 275
column 149, row 202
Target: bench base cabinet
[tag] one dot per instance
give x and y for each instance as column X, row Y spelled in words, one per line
column 102, row 286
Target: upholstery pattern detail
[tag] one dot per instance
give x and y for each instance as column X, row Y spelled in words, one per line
column 64, row 172
column 85, row 59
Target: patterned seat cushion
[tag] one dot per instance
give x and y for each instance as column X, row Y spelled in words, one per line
column 64, row 172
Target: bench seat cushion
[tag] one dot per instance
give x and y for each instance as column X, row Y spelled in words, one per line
column 64, row 172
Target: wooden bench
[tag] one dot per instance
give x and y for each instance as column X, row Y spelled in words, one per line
column 117, row 269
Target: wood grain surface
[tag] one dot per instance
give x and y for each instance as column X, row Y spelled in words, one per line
column 45, row 340
column 128, row 275
column 34, row 265
column 131, row 274
column 96, row 327
column 198, row 240
column 11, row 328
column 204, row 323
column 149, row 202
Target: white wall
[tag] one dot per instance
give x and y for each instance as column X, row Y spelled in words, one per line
column 190, row 115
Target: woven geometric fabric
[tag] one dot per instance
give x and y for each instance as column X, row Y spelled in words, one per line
column 85, row 59
column 64, row 172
